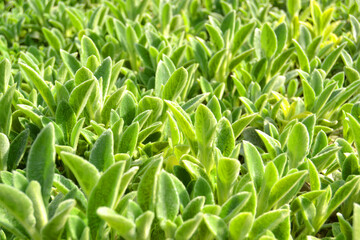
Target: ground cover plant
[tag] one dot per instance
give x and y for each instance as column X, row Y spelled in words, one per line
column 183, row 119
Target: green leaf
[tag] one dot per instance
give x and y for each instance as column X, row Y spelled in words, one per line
column 297, row 145
column 129, row 138
column 111, row 103
column 175, row 84
column 72, row 64
column 75, row 133
column 33, row 191
column 101, row 155
column 227, row 172
column 40, row 84
column 240, row 124
column 280, row 61
column 104, row 193
column 80, row 96
column 17, row 149
column 233, row 206
column 125, row 227
column 65, row 118
column 167, row 200
column 5, row 73
column 202, row 188
column 75, row 19
column 216, row 63
column 271, row 176
column 225, row 140
column 271, row 144
column 281, row 32
column 143, row 225
column 355, row 27
column 217, row 226
column 303, row 60
column 345, row 226
column 181, row 191
column 151, row 103
column 104, row 72
column 144, row 54
column 355, row 129
column 200, row 56
column 88, row 48
column 193, row 207
column 92, row 63
column 188, row 228
column 54, row 228
column 41, row 160
column 356, row 221
column 19, row 206
column 309, row 95
column 286, row 188
column 314, row 177
column 146, row 193
column 331, row 58
column 239, row 58
column 5, row 113
column 215, row 35
column 52, row 39
column 350, row 166
column 161, row 77
column 184, row 124
column 341, row 195
column 324, row 96
column 193, row 103
column 293, row 6
column 149, row 130
column 115, row 71
column 82, row 75
column 4, row 151
column 267, row 222
column 254, row 164
column 85, row 173
column 268, row 41
column 128, row 107
column 241, row 36
column 205, row 126
column 240, row 225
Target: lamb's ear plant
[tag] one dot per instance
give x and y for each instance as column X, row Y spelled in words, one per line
column 179, row 119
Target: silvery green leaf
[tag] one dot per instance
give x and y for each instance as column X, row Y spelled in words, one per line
column 70, row 62
column 125, row 227
column 41, row 161
column 17, row 149
column 5, row 73
column 297, row 145
column 101, row 155
column 175, row 84
column 104, row 193
column 268, row 40
column 240, row 225
column 33, row 191
column 55, row 227
column 254, row 164
column 88, row 48
column 40, row 84
column 20, row 207
column 168, row 202
column 146, row 194
column 267, row 222
column 80, row 96
column 4, row 151
column 82, row 169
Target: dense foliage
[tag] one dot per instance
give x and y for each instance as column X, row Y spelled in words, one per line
column 181, row 119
